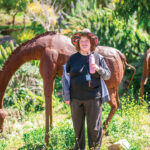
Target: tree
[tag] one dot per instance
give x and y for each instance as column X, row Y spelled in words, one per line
column 140, row 8
column 12, row 7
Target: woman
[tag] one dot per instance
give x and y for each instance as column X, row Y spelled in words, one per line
column 86, row 90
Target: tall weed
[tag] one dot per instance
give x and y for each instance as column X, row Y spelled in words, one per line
column 61, row 137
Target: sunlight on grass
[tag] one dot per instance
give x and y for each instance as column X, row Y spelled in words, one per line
column 129, row 122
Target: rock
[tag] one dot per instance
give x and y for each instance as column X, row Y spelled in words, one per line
column 114, row 147
column 124, row 143
column 119, row 145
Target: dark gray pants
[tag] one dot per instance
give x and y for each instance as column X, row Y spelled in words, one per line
column 91, row 109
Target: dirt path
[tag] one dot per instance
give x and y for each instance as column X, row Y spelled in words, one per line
column 6, row 38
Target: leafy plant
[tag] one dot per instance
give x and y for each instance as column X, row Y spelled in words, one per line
column 5, row 50
column 128, row 8
column 61, row 137
column 25, row 90
column 23, row 36
column 128, row 122
column 43, row 12
column 3, row 144
column 13, row 7
column 112, row 31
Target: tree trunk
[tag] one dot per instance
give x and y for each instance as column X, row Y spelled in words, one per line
column 24, row 21
column 14, row 17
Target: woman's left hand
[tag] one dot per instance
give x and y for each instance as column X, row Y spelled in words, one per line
column 95, row 66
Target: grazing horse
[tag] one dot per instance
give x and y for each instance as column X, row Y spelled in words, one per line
column 53, row 51
column 146, row 71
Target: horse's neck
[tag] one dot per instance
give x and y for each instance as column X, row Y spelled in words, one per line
column 19, row 57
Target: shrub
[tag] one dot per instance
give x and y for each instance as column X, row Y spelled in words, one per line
column 61, row 137
column 25, row 90
column 5, row 50
column 111, row 31
column 129, row 122
column 23, row 36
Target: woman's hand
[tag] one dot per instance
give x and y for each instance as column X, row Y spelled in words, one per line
column 67, row 102
column 95, row 67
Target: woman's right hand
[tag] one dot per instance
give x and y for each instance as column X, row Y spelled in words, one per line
column 67, row 102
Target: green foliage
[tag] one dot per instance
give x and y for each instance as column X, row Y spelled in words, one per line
column 36, row 27
column 3, row 144
column 61, row 137
column 35, row 62
column 43, row 12
column 27, row 101
column 129, row 122
column 141, row 8
column 34, row 139
column 24, row 90
column 14, row 5
column 23, row 36
column 69, row 4
column 5, row 50
column 112, row 31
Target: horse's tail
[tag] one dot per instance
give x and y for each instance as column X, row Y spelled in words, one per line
column 147, row 67
column 125, row 61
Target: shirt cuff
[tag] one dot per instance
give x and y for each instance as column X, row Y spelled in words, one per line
column 101, row 71
column 66, row 97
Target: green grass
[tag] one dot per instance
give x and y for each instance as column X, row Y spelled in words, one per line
column 25, row 132
column 61, row 137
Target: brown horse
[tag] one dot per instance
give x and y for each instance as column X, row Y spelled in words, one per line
column 53, row 50
column 146, row 71
column 116, row 62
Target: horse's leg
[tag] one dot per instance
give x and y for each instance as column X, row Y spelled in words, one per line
column 51, row 110
column 48, row 71
column 48, row 90
column 2, row 117
column 142, row 89
column 114, row 103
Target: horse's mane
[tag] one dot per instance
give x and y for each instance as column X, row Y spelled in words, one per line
column 24, row 44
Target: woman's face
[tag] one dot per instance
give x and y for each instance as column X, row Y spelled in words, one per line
column 85, row 44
